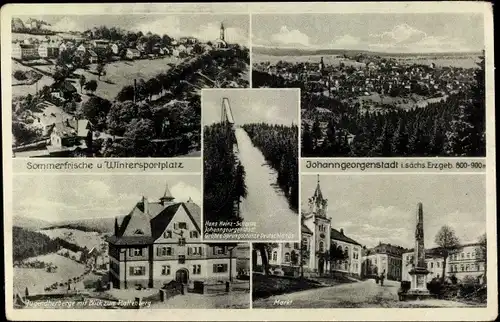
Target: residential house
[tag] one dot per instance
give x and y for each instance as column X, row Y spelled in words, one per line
column 466, row 260
column 63, row 47
column 65, row 89
column 93, row 57
column 164, row 51
column 352, row 250
column 116, row 48
column 48, row 49
column 188, row 40
column 160, row 241
column 24, row 51
column 383, row 257
column 100, row 43
column 132, row 53
column 69, row 137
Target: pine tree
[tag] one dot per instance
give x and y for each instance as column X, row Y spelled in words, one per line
column 330, row 147
column 437, row 139
column 307, row 141
column 418, row 142
column 477, row 113
column 400, row 140
column 459, row 141
column 317, row 133
column 383, row 146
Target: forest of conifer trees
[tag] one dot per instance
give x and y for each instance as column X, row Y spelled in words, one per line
column 279, row 145
column 224, row 176
column 454, row 127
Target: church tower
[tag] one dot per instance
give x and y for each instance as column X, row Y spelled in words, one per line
column 167, row 198
column 321, row 66
column 317, row 221
column 317, row 204
column 222, row 32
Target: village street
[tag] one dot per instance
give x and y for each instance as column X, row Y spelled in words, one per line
column 358, row 294
column 265, row 203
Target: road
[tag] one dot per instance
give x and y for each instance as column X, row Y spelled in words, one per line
column 265, row 204
column 365, row 294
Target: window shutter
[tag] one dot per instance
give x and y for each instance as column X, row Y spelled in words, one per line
column 131, row 252
column 201, row 252
column 175, row 225
column 214, row 249
column 215, row 268
column 189, row 250
column 131, row 271
column 158, row 251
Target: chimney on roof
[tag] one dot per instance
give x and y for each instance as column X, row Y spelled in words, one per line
column 342, row 231
column 145, row 205
column 116, row 226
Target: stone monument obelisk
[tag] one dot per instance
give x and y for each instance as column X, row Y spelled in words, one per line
column 419, row 271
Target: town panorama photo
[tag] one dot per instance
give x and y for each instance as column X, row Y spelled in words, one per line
column 379, row 85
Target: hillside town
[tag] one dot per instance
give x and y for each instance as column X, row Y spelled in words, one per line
column 353, row 102
column 378, row 79
column 328, row 258
column 68, row 88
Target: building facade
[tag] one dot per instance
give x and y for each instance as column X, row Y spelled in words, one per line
column 383, row 258
column 467, row 260
column 158, row 242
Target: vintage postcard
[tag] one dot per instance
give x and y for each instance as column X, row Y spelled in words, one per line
column 249, row 161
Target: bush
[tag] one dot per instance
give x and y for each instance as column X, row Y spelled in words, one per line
column 435, row 287
column 469, row 286
column 20, row 75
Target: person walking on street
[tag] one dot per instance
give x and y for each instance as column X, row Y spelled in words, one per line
column 382, row 276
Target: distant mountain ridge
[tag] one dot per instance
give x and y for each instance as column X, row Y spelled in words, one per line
column 283, row 51
column 103, row 225
column 30, row 223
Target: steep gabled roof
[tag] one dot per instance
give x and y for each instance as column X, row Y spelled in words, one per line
column 337, row 235
column 194, row 212
column 305, row 229
column 161, row 221
column 152, row 224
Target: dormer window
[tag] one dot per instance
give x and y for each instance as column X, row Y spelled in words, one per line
column 193, row 234
column 138, row 232
column 182, row 225
column 167, row 234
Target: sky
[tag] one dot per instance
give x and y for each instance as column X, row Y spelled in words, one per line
column 74, row 197
column 383, row 208
column 273, row 106
column 204, row 26
column 414, row 33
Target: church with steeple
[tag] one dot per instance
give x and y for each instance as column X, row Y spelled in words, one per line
column 317, row 239
column 159, row 241
column 221, row 41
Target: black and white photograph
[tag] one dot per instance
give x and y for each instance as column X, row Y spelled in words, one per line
column 120, row 85
column 250, row 153
column 120, row 242
column 391, row 241
column 379, row 85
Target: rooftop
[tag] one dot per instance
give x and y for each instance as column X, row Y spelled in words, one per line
column 339, row 235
